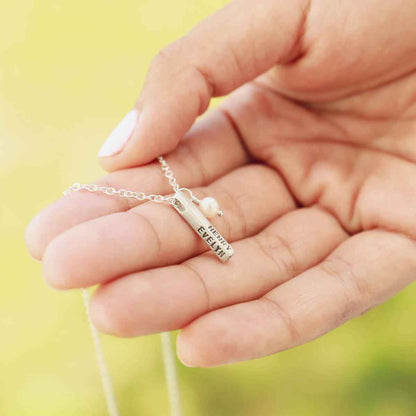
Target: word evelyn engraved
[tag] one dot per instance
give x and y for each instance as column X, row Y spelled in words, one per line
column 202, row 226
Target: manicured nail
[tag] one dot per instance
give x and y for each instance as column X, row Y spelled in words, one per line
column 120, row 135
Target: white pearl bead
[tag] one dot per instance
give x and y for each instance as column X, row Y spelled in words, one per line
column 209, row 207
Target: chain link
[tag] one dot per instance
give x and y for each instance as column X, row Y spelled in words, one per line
column 168, row 173
column 125, row 193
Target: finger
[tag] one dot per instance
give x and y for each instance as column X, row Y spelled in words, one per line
column 208, row 62
column 211, row 149
column 169, row 298
column 153, row 235
column 362, row 272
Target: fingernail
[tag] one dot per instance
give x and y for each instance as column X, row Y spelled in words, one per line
column 184, row 352
column 120, row 135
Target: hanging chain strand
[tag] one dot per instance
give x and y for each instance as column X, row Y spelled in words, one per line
column 171, row 376
column 140, row 196
column 167, row 349
column 102, row 365
column 168, row 173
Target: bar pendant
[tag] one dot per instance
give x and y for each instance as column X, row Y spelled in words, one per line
column 202, row 226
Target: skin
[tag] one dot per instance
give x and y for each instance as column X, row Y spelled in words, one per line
column 311, row 157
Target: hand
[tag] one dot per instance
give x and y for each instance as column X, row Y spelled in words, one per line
column 312, row 160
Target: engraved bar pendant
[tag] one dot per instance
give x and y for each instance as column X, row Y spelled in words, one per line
column 202, row 226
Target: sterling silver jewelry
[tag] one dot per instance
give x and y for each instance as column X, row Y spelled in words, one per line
column 184, row 202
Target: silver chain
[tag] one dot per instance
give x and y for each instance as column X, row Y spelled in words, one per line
column 168, row 173
column 140, row 196
column 168, row 354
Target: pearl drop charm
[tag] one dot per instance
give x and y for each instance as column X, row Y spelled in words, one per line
column 209, row 207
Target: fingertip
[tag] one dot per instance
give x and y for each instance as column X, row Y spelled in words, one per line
column 55, row 270
column 33, row 239
column 130, row 144
column 119, row 137
column 200, row 345
column 157, row 132
column 99, row 313
column 49, row 223
column 185, row 351
column 108, row 314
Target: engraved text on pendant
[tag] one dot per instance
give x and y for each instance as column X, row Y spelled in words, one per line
column 202, row 226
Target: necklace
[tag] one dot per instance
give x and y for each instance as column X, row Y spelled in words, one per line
column 184, row 202
column 196, row 213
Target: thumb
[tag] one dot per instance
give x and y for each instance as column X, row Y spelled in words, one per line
column 231, row 47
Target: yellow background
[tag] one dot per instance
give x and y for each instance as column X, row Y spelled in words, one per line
column 69, row 70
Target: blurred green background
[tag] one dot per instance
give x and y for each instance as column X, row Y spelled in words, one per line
column 69, row 70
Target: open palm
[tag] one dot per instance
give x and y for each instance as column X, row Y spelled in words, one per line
column 312, row 161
